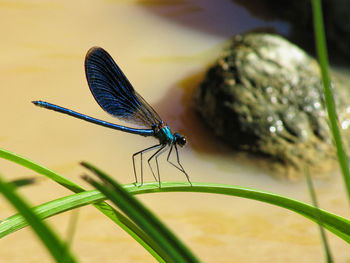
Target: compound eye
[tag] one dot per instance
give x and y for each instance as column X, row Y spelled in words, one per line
column 180, row 140
column 183, row 141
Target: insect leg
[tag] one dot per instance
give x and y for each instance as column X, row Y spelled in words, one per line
column 156, row 158
column 178, row 162
column 149, row 160
column 141, row 152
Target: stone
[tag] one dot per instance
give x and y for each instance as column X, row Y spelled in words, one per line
column 264, row 96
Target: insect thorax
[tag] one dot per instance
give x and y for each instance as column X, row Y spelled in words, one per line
column 163, row 133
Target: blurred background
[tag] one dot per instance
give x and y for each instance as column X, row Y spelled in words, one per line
column 164, row 48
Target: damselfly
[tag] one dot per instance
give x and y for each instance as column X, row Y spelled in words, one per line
column 115, row 94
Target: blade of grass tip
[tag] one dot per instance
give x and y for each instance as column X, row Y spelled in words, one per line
column 145, row 219
column 55, row 246
column 118, row 218
column 315, row 203
column 332, row 116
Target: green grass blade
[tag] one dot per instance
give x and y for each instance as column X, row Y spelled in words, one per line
column 63, row 204
column 169, row 244
column 118, row 218
column 132, row 229
column 315, row 203
column 55, row 246
column 338, row 225
column 324, row 65
column 333, row 223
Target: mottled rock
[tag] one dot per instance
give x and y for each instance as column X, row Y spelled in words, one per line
column 264, row 96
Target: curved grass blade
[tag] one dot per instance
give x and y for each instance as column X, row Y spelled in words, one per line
column 60, row 205
column 49, row 209
column 105, row 208
column 338, row 225
column 56, row 247
column 171, row 246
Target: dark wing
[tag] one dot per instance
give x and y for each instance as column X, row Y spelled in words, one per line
column 113, row 91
